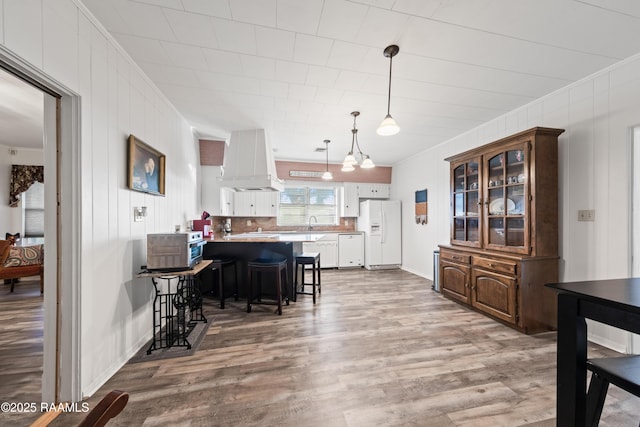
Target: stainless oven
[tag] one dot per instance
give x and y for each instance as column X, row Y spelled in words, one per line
column 174, row 251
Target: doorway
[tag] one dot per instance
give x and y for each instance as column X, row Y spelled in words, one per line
column 60, row 136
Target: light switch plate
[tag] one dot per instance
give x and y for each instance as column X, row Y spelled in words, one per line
column 587, row 215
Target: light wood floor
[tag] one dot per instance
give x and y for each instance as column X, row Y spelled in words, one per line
column 378, row 349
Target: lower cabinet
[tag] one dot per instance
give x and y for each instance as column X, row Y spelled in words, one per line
column 328, row 252
column 508, row 288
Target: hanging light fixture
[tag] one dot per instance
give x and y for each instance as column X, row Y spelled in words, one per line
column 350, row 160
column 327, row 175
column 389, row 125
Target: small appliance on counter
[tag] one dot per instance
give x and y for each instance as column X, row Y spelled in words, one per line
column 203, row 224
column 174, row 251
column 227, row 226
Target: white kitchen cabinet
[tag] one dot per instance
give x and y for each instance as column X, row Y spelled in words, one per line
column 226, row 201
column 373, row 191
column 350, row 202
column 256, row 203
column 328, row 250
column 350, row 250
column 266, row 203
column 211, row 190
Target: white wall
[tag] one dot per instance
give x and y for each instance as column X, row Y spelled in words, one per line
column 60, row 38
column 11, row 218
column 597, row 113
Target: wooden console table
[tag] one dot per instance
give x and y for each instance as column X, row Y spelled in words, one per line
column 613, row 302
column 175, row 313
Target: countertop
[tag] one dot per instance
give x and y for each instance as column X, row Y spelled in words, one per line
column 263, row 237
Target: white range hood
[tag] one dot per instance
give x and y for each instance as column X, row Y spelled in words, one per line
column 249, row 163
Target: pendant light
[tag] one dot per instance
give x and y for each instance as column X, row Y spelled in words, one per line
column 327, row 175
column 350, row 160
column 389, row 125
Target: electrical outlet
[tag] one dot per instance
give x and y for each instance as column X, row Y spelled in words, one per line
column 248, row 223
column 346, row 222
column 587, row 215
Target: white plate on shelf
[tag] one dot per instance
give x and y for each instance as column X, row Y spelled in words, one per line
column 497, row 206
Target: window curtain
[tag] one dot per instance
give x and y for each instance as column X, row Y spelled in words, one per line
column 22, row 176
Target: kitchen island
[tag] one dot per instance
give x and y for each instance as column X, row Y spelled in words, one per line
column 248, row 246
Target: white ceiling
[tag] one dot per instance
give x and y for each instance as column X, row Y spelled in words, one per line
column 21, row 113
column 297, row 68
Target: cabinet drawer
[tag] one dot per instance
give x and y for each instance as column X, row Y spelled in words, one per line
column 492, row 264
column 455, row 256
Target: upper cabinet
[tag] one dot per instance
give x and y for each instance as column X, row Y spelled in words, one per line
column 256, row 203
column 352, row 192
column 373, row 191
column 350, row 200
column 504, row 195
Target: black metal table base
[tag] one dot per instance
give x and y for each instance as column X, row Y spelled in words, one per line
column 175, row 313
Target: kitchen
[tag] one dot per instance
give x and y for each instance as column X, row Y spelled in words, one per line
column 243, row 195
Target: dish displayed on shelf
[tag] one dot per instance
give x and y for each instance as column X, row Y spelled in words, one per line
column 497, row 206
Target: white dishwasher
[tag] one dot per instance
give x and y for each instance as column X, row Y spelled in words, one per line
column 350, row 250
column 327, row 246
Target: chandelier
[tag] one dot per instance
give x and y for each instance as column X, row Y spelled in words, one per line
column 350, row 160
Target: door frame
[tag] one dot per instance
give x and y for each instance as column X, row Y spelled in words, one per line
column 633, row 343
column 61, row 377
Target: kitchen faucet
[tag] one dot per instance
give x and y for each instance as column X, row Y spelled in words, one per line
column 310, row 226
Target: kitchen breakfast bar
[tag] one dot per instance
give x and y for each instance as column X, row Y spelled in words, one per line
column 249, row 246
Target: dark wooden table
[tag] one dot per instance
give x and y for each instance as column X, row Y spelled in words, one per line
column 613, row 302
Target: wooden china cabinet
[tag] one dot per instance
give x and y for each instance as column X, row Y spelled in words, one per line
column 504, row 230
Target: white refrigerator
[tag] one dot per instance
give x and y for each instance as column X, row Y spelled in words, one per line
column 380, row 220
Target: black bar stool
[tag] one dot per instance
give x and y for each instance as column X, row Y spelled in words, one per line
column 312, row 259
column 260, row 266
column 220, row 263
column 621, row 371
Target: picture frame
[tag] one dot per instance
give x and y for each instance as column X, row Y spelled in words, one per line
column 421, row 207
column 146, row 168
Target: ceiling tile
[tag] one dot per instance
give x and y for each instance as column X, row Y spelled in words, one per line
column 274, row 89
column 261, row 68
column 143, row 20
column 169, row 74
column 259, row 12
column 312, row 50
column 144, row 49
column 299, row 16
column 322, row 76
column 302, row 92
column 341, row 20
column 350, row 80
column 185, row 55
column 217, row 8
column 382, row 28
column 235, row 36
column 173, row 4
column 328, row 96
column 224, row 62
column 192, row 28
column 273, row 43
column 347, row 55
column 291, row 72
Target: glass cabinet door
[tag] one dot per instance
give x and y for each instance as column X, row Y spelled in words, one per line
column 507, row 200
column 466, row 203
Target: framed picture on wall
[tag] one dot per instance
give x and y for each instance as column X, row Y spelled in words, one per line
column 146, row 168
column 421, row 207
